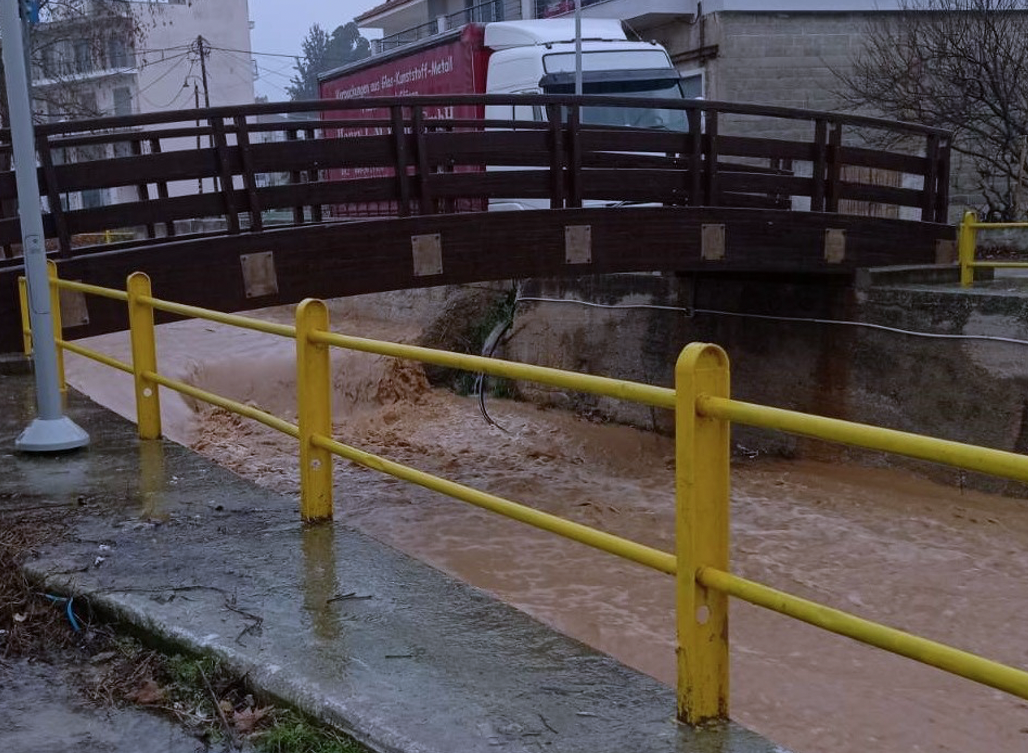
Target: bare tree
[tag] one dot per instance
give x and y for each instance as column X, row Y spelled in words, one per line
column 960, row 65
column 75, row 38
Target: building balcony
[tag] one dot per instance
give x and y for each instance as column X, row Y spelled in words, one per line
column 638, row 14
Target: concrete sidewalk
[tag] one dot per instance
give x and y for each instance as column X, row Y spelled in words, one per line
column 398, row 654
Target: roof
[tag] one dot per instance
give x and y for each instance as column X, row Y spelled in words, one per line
column 387, row 5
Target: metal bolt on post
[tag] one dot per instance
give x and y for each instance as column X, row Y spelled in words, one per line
column 52, row 431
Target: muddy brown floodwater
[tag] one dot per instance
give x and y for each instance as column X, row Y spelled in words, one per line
column 884, row 544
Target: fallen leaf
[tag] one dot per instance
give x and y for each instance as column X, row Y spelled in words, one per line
column 147, row 694
column 247, row 719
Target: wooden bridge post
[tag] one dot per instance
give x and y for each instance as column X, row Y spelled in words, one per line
column 426, row 202
column 556, row 143
column 695, row 160
column 834, row 168
column 400, row 160
column 249, row 179
column 142, row 189
column 820, row 166
column 941, row 175
column 53, row 195
column 225, row 173
column 162, row 185
column 574, row 149
column 931, row 178
column 710, row 158
column 292, row 134
column 312, row 177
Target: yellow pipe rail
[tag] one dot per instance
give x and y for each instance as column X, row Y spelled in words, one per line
column 95, row 355
column 967, row 244
column 704, row 412
column 81, row 287
column 970, row 457
column 234, row 320
column 629, row 550
column 659, row 397
column 941, row 656
column 248, row 411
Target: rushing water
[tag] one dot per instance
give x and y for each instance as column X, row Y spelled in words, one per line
column 884, row 544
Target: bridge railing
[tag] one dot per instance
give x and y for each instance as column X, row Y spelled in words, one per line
column 229, row 170
column 704, row 413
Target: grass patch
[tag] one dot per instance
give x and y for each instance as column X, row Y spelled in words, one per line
column 292, row 733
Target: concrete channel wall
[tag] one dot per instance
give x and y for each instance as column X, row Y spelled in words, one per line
column 967, row 390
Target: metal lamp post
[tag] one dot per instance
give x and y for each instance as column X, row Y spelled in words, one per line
column 52, row 431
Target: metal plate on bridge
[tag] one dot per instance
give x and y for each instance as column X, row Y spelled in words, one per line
column 712, row 242
column 835, row 245
column 945, row 252
column 578, row 244
column 428, row 254
column 73, row 308
column 259, row 277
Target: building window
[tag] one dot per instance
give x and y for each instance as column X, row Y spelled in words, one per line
column 87, row 103
column 83, row 56
column 118, row 53
column 122, row 101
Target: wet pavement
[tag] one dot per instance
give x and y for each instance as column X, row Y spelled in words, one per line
column 40, row 712
column 398, row 654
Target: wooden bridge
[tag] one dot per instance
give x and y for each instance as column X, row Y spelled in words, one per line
column 242, row 207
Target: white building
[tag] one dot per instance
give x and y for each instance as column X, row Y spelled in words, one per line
column 89, row 62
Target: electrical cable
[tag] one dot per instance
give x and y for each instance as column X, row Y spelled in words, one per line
column 769, row 317
column 178, row 94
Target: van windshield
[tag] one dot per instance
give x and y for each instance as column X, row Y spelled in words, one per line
column 662, row 87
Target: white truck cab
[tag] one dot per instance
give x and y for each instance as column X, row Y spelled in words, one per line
column 538, row 57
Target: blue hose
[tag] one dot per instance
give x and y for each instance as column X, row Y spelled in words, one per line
column 67, row 601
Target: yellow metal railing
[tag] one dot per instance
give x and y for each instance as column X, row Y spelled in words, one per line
column 703, row 415
column 967, row 245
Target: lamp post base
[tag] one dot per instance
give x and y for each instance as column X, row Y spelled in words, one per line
column 51, row 435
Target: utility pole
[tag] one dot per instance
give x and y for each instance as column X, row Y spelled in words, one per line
column 52, row 431
column 196, row 104
column 200, row 41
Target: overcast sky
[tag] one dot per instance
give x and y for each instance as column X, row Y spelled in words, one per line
column 279, row 28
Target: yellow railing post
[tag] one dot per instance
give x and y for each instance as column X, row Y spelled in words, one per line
column 55, row 313
column 966, row 244
column 26, row 328
column 701, row 534
column 144, row 356
column 314, row 411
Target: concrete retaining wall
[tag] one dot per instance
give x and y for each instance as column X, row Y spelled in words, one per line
column 964, row 390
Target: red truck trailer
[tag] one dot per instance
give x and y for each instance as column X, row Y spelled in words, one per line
column 450, row 63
